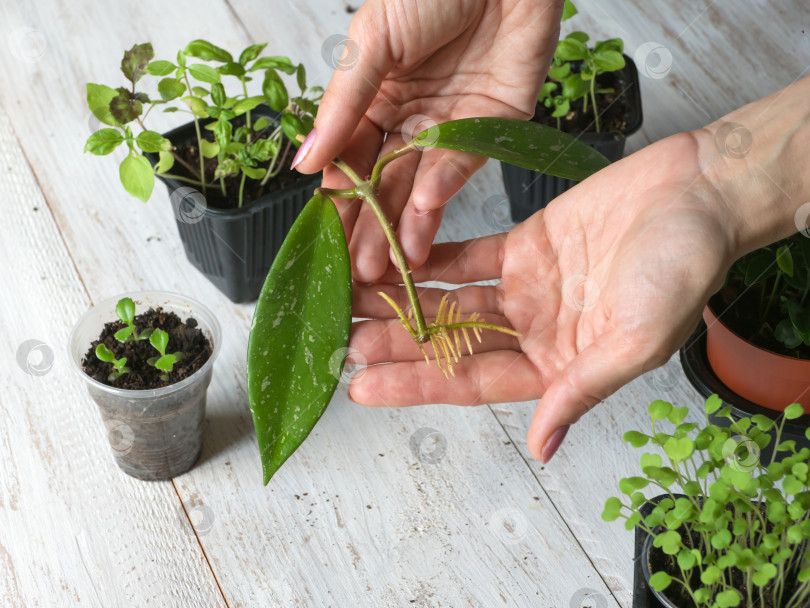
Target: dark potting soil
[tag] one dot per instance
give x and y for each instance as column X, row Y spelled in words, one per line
column 738, row 306
column 660, row 561
column 253, row 191
column 612, row 109
column 185, row 337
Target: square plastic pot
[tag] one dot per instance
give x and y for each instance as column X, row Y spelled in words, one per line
column 154, row 434
column 234, row 248
column 529, row 191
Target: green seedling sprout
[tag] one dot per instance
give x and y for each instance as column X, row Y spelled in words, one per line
column 125, row 309
column 160, row 341
column 733, row 530
column 119, row 365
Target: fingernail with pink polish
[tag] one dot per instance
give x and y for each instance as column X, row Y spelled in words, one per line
column 304, row 149
column 553, row 443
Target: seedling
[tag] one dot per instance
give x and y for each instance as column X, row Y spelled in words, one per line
column 160, row 341
column 739, row 532
column 303, row 316
column 119, row 365
column 125, row 309
column 574, row 71
column 256, row 150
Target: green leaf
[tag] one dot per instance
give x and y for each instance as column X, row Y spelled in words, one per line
column 170, row 88
column 659, row 410
column 561, row 72
column 301, row 77
column 563, row 106
column 570, row 49
column 243, row 105
column 232, row 69
column 202, row 49
column 518, row 142
column 660, row 581
column 686, row 559
column 787, row 334
column 608, row 61
column 136, row 60
column 103, row 141
column 254, row 172
column 581, row 36
column 636, row 439
column 137, row 176
column 166, row 161
column 713, row 403
column 261, row 123
column 209, row 149
column 728, row 598
column 292, row 126
column 166, row 363
column 763, row 423
column 223, row 130
column 159, row 340
column 710, row 575
column 197, row 106
column 785, row 260
column 218, row 94
column 98, row 100
column 613, row 44
column 569, row 10
column 794, row 411
column 125, row 310
column 251, row 52
column 204, row 73
column 613, row 507
column 679, row 450
column 301, row 323
column 275, row 91
column 104, row 354
column 547, row 89
column 628, row 485
column 124, row 333
column 279, row 63
column 152, row 141
column 677, row 415
column 160, row 68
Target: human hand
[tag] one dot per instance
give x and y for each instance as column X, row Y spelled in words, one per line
column 440, row 59
column 604, row 284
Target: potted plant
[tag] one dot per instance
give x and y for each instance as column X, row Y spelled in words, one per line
column 301, row 324
column 148, row 373
column 730, row 529
column 754, row 349
column 233, row 195
column 591, row 92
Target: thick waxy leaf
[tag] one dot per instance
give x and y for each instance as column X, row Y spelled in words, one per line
column 518, row 142
column 136, row 60
column 300, row 329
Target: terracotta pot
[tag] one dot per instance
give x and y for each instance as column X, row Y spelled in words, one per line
column 764, row 377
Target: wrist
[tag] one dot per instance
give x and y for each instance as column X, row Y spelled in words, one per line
column 753, row 160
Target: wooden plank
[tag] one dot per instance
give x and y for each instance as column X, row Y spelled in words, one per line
column 74, row 530
column 367, row 529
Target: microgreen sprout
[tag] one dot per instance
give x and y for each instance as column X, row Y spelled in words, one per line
column 119, row 365
column 125, row 309
column 160, row 341
column 736, row 531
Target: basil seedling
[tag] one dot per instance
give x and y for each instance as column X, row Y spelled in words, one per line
column 119, row 365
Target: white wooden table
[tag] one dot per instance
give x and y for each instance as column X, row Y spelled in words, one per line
column 358, row 516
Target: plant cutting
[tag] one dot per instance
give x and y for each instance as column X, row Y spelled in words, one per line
column 592, row 92
column 729, row 529
column 227, row 172
column 148, row 373
column 303, row 316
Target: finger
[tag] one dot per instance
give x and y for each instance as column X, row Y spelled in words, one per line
column 444, row 174
column 385, row 341
column 469, row 261
column 591, row 376
column 367, row 303
column 366, row 61
column 369, row 246
column 493, row 377
column 416, row 233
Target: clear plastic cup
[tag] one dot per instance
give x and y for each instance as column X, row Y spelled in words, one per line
column 154, row 434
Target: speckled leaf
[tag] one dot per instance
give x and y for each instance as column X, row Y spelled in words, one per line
column 518, row 142
column 302, row 319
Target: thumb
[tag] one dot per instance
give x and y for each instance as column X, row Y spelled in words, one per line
column 594, row 374
column 361, row 61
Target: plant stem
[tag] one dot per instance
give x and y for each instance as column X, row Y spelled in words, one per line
column 770, row 299
column 366, row 191
column 191, row 169
column 593, row 102
column 222, row 186
column 376, row 173
column 247, row 114
column 182, row 179
column 348, row 193
column 199, row 140
column 242, row 188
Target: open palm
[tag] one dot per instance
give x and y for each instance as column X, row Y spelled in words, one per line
column 409, row 64
column 603, row 285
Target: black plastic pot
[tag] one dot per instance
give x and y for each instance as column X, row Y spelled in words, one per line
column 530, row 191
column 643, row 596
column 695, row 363
column 234, row 248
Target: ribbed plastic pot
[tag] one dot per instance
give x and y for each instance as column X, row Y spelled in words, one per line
column 154, row 434
column 529, row 191
column 234, row 248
